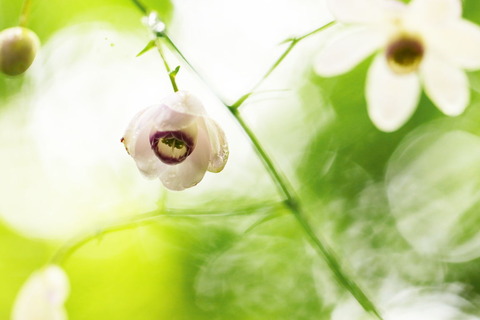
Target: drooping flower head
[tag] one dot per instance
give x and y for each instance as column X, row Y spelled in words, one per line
column 43, row 295
column 176, row 141
column 425, row 43
column 18, row 47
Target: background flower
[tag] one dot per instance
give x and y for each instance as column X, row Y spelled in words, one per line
column 424, row 43
column 43, row 295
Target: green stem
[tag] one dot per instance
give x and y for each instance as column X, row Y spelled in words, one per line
column 66, row 251
column 291, row 200
column 25, row 14
column 286, row 189
column 171, row 74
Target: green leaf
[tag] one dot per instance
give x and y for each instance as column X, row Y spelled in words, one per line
column 150, row 45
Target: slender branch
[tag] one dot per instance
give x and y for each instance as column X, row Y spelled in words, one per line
column 293, row 43
column 287, row 190
column 62, row 255
column 284, row 185
column 25, row 13
column 140, row 6
column 171, row 74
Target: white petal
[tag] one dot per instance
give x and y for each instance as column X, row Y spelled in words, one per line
column 458, row 42
column 446, row 85
column 218, row 146
column 42, row 297
column 364, row 11
column 184, row 102
column 347, row 50
column 138, row 122
column 391, row 98
column 435, row 11
column 191, row 171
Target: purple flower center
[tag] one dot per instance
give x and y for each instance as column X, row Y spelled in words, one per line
column 171, row 147
column 405, row 54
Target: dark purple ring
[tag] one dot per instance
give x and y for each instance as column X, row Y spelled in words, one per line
column 178, row 135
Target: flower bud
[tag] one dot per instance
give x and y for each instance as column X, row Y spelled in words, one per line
column 18, row 47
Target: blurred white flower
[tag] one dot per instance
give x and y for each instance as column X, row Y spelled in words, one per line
column 43, row 296
column 423, row 43
column 176, row 141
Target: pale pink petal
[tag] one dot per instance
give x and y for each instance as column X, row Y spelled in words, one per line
column 435, row 11
column 347, row 50
column 142, row 119
column 459, row 42
column 218, row 146
column 43, row 296
column 191, row 171
column 184, row 102
column 365, row 11
column 446, row 85
column 391, row 98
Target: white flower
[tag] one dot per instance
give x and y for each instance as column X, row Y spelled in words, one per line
column 43, row 296
column 425, row 43
column 176, row 141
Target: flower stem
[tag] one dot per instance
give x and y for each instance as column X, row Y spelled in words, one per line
column 284, row 186
column 171, row 74
column 66, row 251
column 25, row 13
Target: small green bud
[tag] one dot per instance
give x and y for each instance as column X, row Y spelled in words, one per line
column 18, row 47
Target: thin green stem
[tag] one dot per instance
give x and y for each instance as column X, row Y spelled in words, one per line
column 140, row 6
column 66, row 251
column 284, row 186
column 292, row 43
column 171, row 74
column 25, row 13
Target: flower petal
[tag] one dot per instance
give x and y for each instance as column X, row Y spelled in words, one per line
column 191, row 171
column 435, row 11
column 347, row 50
column 364, row 11
column 446, row 85
column 42, row 296
column 139, row 121
column 458, row 41
column 184, row 102
column 218, row 146
column 391, row 97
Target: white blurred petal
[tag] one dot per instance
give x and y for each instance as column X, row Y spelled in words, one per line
column 218, row 146
column 347, row 50
column 435, row 11
column 185, row 103
column 459, row 42
column 391, row 98
column 365, row 11
column 446, row 85
column 191, row 171
column 43, row 296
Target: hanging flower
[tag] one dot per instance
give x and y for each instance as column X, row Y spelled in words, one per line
column 43, row 296
column 425, row 43
column 176, row 141
column 18, row 47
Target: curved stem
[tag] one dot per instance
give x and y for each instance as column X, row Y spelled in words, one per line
column 171, row 74
column 284, row 186
column 62, row 255
column 25, row 14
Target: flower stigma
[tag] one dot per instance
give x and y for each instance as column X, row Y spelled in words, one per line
column 171, row 147
column 404, row 54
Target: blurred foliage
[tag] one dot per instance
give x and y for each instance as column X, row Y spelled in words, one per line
column 233, row 267
column 19, row 256
column 47, row 17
